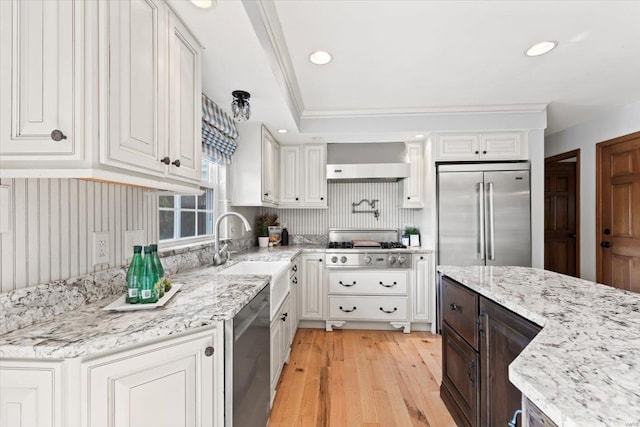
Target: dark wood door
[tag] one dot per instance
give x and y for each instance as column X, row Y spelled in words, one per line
column 503, row 336
column 618, row 260
column 460, row 389
column 560, row 217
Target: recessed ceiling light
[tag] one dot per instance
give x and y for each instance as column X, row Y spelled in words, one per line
column 203, row 4
column 282, row 131
column 420, row 135
column 320, row 57
column 541, row 48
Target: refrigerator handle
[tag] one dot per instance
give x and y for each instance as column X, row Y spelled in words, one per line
column 481, row 243
column 491, row 246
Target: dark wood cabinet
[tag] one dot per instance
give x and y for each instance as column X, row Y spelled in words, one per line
column 479, row 340
column 503, row 336
column 459, row 378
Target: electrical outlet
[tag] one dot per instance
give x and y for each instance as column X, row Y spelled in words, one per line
column 131, row 239
column 100, row 248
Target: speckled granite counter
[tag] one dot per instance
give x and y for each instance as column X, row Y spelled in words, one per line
column 205, row 298
column 583, row 368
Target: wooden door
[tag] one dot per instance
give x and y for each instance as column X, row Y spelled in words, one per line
column 560, row 229
column 185, row 102
column 618, row 214
column 503, row 337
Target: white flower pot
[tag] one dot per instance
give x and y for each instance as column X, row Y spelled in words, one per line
column 414, row 239
column 263, row 242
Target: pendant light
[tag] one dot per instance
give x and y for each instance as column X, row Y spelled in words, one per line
column 240, row 105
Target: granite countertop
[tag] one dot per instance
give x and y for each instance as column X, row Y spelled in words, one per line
column 206, row 297
column 583, row 368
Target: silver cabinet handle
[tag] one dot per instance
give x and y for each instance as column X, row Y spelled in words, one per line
column 57, row 135
column 388, row 286
column 389, row 311
column 208, row 351
column 481, row 243
column 347, row 311
column 346, row 284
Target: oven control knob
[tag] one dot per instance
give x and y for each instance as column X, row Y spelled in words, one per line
column 367, row 259
column 343, row 259
column 334, row 259
column 401, row 260
column 392, row 260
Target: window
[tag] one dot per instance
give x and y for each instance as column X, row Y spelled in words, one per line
column 188, row 217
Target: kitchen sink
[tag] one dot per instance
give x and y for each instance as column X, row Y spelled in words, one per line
column 279, row 278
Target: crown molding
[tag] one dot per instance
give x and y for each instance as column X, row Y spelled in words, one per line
column 264, row 18
column 421, row 111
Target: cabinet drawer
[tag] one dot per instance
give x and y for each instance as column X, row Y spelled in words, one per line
column 378, row 282
column 460, row 310
column 368, row 307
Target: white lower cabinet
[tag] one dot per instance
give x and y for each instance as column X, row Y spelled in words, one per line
column 312, row 287
column 423, row 288
column 280, row 343
column 30, row 394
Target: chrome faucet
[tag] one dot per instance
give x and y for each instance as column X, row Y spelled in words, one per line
column 220, row 255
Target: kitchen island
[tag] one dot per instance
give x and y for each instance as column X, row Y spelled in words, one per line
column 582, row 368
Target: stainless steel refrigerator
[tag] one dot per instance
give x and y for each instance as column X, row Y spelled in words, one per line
column 484, row 214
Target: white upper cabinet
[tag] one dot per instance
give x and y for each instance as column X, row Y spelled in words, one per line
column 136, row 89
column 290, row 175
column 254, row 170
column 413, row 185
column 40, row 79
column 315, row 178
column 303, row 182
column 485, row 146
column 185, row 118
column 100, row 90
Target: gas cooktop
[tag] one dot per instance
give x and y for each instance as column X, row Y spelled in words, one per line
column 369, row 245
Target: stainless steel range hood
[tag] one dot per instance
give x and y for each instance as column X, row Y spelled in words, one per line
column 351, row 162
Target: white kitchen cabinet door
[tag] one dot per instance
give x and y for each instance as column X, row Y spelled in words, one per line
column 413, row 197
column 503, row 146
column 279, row 344
column 170, row 386
column 269, row 167
column 457, row 147
column 312, row 288
column 135, row 125
column 315, row 180
column 41, row 54
column 290, row 175
column 185, row 102
column 30, row 397
column 423, row 292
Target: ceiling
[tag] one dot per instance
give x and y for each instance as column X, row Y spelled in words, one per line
column 399, row 59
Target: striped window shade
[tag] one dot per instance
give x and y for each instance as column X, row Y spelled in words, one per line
column 219, row 133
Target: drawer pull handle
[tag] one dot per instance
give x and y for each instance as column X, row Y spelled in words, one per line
column 388, row 286
column 455, row 307
column 295, row 268
column 346, row 284
column 348, row 311
column 295, row 280
column 389, row 311
column 284, row 317
column 472, row 365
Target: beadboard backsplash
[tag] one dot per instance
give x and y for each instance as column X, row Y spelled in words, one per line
column 52, row 223
column 340, row 198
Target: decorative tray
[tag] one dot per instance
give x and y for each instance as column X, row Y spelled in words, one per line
column 121, row 305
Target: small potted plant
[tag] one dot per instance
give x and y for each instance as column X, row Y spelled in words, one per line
column 414, row 235
column 262, row 224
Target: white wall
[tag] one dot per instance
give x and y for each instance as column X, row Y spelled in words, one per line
column 585, row 136
column 52, row 223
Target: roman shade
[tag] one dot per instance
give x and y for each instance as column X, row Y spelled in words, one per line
column 219, row 133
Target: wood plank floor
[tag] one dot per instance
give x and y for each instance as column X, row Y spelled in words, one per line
column 361, row 378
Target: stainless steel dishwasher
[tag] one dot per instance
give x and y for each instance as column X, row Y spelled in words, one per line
column 248, row 364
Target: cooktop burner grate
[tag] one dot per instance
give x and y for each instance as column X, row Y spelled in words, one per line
column 373, row 245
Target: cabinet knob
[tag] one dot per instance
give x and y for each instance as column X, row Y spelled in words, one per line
column 57, row 135
column 320, row 260
column 421, row 257
column 208, row 351
column 166, row 160
column 297, row 199
column 477, row 152
column 484, row 152
column 176, row 163
column 455, row 307
column 321, row 198
column 266, row 194
column 408, row 197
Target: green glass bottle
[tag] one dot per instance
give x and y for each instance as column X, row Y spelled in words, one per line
column 159, row 270
column 134, row 276
column 148, row 293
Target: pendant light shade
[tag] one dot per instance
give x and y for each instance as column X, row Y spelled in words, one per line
column 240, row 105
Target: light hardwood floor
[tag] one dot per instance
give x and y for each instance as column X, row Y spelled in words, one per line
column 356, row 378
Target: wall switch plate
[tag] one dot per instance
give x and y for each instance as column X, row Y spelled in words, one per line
column 100, row 248
column 5, row 208
column 131, row 239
